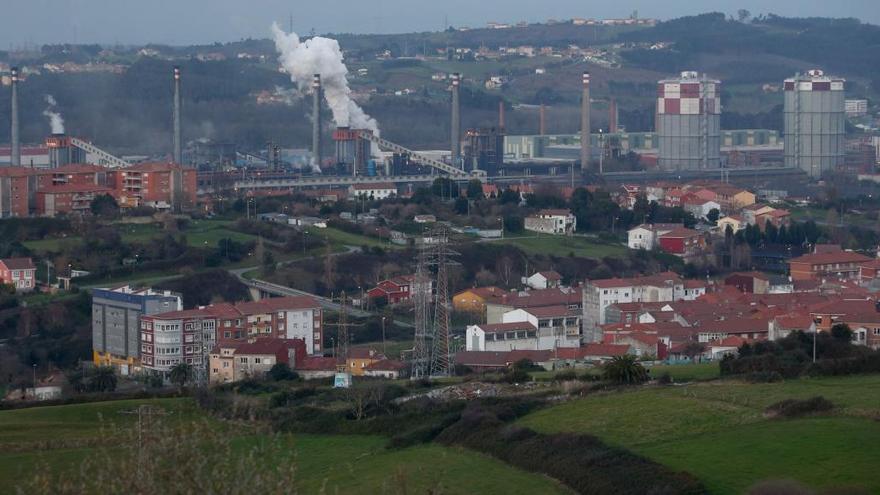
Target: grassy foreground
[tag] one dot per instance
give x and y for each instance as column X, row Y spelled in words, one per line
column 60, row 437
column 718, row 432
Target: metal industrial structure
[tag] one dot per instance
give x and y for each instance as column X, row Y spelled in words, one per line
column 815, row 122
column 585, row 122
column 316, row 119
column 16, row 141
column 176, row 138
column 63, row 152
column 352, row 150
column 689, row 123
column 484, row 151
column 432, row 352
column 456, row 120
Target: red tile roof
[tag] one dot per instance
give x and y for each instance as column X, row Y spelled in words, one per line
column 316, row 363
column 268, row 346
column 592, row 350
column 18, row 263
column 551, row 311
column 273, row 304
column 834, row 257
column 386, row 365
column 551, row 275
column 555, row 212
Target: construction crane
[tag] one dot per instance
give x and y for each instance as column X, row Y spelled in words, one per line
column 104, row 158
column 420, row 158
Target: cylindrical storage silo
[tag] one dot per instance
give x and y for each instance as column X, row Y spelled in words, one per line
column 815, row 123
column 689, row 123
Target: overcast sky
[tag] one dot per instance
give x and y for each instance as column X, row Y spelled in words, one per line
column 206, row 21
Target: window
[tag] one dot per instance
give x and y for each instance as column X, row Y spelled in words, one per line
column 877, row 331
column 258, row 360
column 243, row 360
column 225, row 364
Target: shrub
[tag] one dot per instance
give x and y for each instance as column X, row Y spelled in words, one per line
column 566, row 375
column 665, row 378
column 763, row 377
column 625, row 370
column 281, row 371
column 794, row 408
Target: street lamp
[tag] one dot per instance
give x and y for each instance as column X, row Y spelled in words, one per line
column 383, row 338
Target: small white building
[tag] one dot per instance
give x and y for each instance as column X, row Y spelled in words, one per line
column 558, row 326
column 645, row 236
column 700, row 208
column 544, row 280
column 380, row 190
column 557, row 222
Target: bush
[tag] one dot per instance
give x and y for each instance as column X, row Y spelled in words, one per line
column 625, row 370
column 566, row 375
column 281, row 372
column 794, row 408
column 665, row 378
column 763, row 377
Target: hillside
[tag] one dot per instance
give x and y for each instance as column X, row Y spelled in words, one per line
column 718, row 432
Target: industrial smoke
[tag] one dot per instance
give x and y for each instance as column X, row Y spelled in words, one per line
column 55, row 120
column 319, row 55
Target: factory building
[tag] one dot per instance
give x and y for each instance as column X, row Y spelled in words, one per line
column 688, row 123
column 62, row 152
column 352, row 151
column 484, row 150
column 814, row 123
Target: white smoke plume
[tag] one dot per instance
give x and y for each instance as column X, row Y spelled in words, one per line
column 318, row 55
column 55, row 120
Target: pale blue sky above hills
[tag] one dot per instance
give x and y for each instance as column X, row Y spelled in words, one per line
column 205, row 21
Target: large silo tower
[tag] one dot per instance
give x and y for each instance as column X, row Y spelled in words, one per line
column 689, row 123
column 815, row 122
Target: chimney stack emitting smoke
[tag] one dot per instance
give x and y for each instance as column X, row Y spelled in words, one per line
column 316, row 119
column 176, row 117
column 16, row 144
column 456, row 119
column 585, row 123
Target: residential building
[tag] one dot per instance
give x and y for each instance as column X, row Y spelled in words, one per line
column 501, row 337
column 682, row 242
column 735, row 222
column 314, row 367
column 752, row 282
column 237, row 361
column 19, row 273
column 777, row 217
column 870, row 270
column 359, row 358
column 179, row 337
column 372, row 191
column 816, row 266
column 474, row 300
column 386, row 368
column 159, row 185
column 17, row 188
column 598, row 295
column 544, row 280
column 557, row 326
column 557, row 222
column 752, row 212
column 700, row 208
column 645, row 236
column 293, row 317
column 399, row 289
column 116, row 314
column 732, row 199
column 782, row 325
column 855, row 108
column 68, row 198
column 496, row 307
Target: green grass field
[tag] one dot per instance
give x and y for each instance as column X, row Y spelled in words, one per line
column 563, row 246
column 687, row 372
column 56, row 437
column 717, row 431
column 339, row 238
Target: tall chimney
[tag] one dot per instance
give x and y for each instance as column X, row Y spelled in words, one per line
column 501, row 115
column 456, row 120
column 612, row 116
column 542, row 120
column 176, row 138
column 585, row 123
column 316, row 119
column 16, row 144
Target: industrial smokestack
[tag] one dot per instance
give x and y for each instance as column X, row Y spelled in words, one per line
column 585, row 123
column 176, row 117
column 316, row 119
column 456, row 120
column 542, row 120
column 501, row 115
column 16, row 144
column 612, row 116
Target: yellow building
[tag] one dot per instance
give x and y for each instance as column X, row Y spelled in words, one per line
column 735, row 222
column 474, row 300
column 360, row 358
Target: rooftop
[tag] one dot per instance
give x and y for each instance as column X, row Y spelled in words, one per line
column 18, row 263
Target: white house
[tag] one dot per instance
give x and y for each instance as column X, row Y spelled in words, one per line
column 559, row 222
column 380, row 190
column 558, row 326
column 645, row 236
column 502, row 337
column 544, row 280
column 700, row 208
